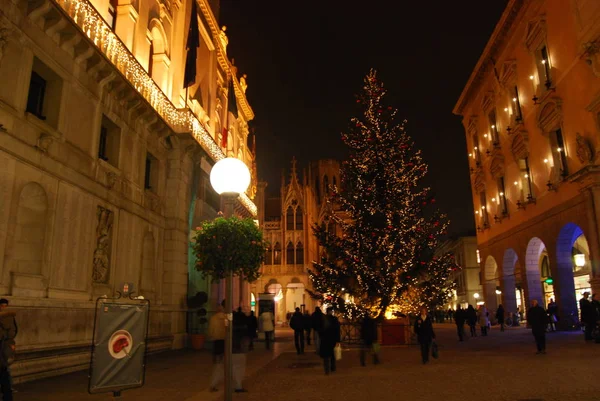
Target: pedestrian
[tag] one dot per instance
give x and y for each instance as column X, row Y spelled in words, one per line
column 216, row 332
column 368, row 336
column 252, row 328
column 329, row 337
column 482, row 317
column 472, row 320
column 307, row 322
column 239, row 345
column 424, row 330
column 587, row 315
column 459, row 319
column 297, row 324
column 450, row 314
column 8, row 332
column 317, row 325
column 552, row 312
column 500, row 317
column 267, row 322
column 537, row 318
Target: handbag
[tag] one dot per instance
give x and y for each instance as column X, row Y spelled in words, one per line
column 434, row 350
column 337, row 352
column 376, row 347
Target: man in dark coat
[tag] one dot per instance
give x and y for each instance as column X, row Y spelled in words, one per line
column 252, row 328
column 368, row 335
column 297, row 324
column 425, row 335
column 307, row 321
column 329, row 336
column 317, row 325
column 240, row 343
column 500, row 317
column 588, row 317
column 537, row 318
column 8, row 332
column 459, row 318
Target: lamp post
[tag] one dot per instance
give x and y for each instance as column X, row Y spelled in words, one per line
column 229, row 178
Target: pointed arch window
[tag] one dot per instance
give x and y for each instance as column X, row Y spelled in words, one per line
column 269, row 256
column 277, row 254
column 299, row 253
column 289, row 219
column 299, row 219
column 289, row 254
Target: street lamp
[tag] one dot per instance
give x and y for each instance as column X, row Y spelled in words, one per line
column 229, row 178
column 579, row 260
column 476, row 296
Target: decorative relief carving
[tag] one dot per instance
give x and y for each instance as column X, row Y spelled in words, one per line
column 44, row 141
column 111, row 179
column 585, row 152
column 5, row 33
column 479, row 181
column 472, row 126
column 591, row 55
column 550, row 115
column 497, row 165
column 101, row 267
column 488, row 101
column 508, row 73
column 536, row 33
column 520, row 145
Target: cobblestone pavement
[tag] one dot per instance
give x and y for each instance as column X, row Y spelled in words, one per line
column 502, row 366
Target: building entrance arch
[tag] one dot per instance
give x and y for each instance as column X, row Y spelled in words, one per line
column 533, row 258
column 491, row 283
column 509, row 290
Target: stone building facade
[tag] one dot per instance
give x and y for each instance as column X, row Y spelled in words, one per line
column 287, row 222
column 104, row 163
column 531, row 113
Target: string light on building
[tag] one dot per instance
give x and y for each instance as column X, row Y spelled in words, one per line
column 93, row 25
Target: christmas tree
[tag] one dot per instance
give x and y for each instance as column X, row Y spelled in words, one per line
column 383, row 245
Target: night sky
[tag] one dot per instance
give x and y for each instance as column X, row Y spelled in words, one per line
column 306, row 60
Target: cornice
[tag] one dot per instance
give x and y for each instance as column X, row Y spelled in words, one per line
column 490, row 52
column 223, row 60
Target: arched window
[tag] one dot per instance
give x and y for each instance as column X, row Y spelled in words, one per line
column 299, row 253
column 269, row 256
column 158, row 62
column 299, row 219
column 545, row 266
column 277, row 254
column 325, row 185
column 151, row 59
column 289, row 218
column 289, row 254
column 334, row 181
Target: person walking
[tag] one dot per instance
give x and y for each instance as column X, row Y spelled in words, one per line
column 8, row 332
column 329, row 337
column 500, row 317
column 317, row 325
column 552, row 311
column 240, row 343
column 459, row 319
column 472, row 320
column 424, row 330
column 252, row 329
column 267, row 321
column 587, row 315
column 368, row 335
column 482, row 318
column 307, row 322
column 297, row 324
column 537, row 318
column 216, row 332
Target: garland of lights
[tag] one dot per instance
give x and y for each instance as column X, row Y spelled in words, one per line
column 87, row 18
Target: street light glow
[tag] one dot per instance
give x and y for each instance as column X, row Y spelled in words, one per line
column 230, row 175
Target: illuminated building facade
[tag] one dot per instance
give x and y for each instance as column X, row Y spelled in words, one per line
column 531, row 113
column 104, row 163
column 287, row 222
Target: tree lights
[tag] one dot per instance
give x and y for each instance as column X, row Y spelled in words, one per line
column 383, row 255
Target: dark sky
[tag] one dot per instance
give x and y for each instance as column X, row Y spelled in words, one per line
column 306, row 60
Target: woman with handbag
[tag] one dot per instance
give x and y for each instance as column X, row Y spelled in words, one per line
column 424, row 330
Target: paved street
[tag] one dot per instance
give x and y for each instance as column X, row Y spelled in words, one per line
column 502, row 366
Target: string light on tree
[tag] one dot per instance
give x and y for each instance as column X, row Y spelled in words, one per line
column 383, row 256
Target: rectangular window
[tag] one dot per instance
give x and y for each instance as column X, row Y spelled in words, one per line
column 109, row 144
column 546, row 64
column 502, row 196
column 151, row 59
column 151, row 173
column 35, row 98
column 483, row 209
column 476, row 153
column 112, row 14
column 493, row 127
column 516, row 105
column 560, row 152
column 527, row 188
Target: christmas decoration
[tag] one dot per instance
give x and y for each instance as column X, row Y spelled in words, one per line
column 381, row 257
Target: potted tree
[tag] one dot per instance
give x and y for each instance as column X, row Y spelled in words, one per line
column 198, row 319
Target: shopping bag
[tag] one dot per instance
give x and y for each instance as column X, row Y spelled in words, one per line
column 376, row 347
column 434, row 350
column 337, row 352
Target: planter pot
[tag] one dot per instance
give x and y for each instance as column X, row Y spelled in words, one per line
column 198, row 341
